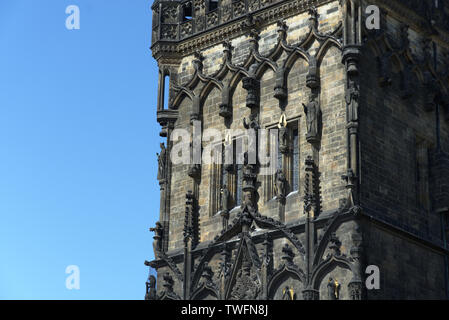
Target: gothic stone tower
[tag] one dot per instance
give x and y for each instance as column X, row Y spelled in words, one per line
column 362, row 173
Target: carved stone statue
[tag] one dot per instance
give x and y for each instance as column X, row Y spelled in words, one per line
column 162, row 160
column 158, row 232
column 313, row 115
column 168, row 285
column 333, row 289
column 252, row 85
column 150, row 288
column 248, row 198
column 352, row 100
column 253, row 123
column 283, row 134
column 283, row 140
column 248, row 172
column 253, row 68
column 337, row 289
column 248, row 203
column 288, row 293
column 280, row 183
column 224, row 199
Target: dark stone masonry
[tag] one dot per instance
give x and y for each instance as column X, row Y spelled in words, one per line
column 362, row 176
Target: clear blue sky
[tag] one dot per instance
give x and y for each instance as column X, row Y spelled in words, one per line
column 78, row 143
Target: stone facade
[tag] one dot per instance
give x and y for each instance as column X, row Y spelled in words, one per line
column 363, row 170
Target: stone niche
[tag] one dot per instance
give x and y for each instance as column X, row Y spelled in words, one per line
column 341, row 276
column 288, row 287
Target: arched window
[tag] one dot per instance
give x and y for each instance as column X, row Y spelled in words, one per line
column 239, row 184
column 230, row 174
column 291, row 162
column 163, row 90
column 295, row 160
column 166, row 91
column 187, row 12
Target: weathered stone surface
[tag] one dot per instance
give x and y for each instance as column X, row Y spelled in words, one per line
column 372, row 182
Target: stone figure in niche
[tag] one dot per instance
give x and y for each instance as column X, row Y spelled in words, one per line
column 283, row 134
column 281, row 182
column 249, row 175
column 161, row 158
column 168, row 284
column 249, row 169
column 333, row 289
column 337, row 290
column 248, row 204
column 252, row 85
column 227, row 153
column 283, row 140
column 253, row 123
column 313, row 115
column 157, row 243
column 352, row 100
column 253, row 127
column 224, row 199
column 288, row 293
column 150, row 288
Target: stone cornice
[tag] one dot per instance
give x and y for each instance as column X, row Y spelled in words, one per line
column 171, row 52
column 175, row 50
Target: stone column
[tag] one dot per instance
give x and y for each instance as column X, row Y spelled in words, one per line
column 352, row 40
